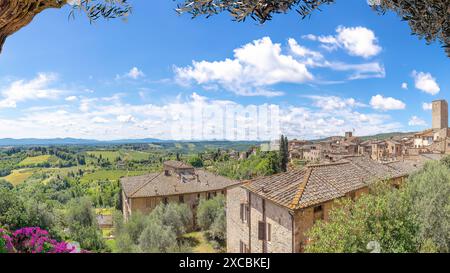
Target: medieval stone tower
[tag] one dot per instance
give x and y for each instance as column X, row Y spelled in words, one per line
column 440, row 114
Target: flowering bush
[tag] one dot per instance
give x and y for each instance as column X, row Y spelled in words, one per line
column 32, row 240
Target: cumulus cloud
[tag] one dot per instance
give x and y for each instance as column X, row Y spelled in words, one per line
column 425, row 82
column 357, row 41
column 258, row 65
column 196, row 117
column 334, row 102
column 416, row 121
column 255, row 66
column 405, row 86
column 99, row 120
column 71, row 98
column 126, row 118
column 134, row 74
column 427, row 106
column 379, row 102
column 34, row 89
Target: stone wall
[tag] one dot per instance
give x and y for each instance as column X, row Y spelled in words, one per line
column 237, row 230
column 146, row 204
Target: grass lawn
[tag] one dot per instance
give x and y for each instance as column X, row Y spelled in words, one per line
column 18, row 176
column 136, row 155
column 109, row 174
column 199, row 243
column 33, row 160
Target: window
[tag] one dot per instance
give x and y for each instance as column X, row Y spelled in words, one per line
column 181, row 198
column 352, row 195
column 318, row 213
column 269, row 232
column 244, row 212
column 208, row 196
column 243, row 248
column 261, row 230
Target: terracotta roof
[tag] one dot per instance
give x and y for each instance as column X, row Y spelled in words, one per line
column 406, row 167
column 428, row 132
column 177, row 164
column 159, row 184
column 315, row 184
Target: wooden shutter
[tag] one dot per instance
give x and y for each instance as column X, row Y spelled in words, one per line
column 261, row 230
column 269, row 232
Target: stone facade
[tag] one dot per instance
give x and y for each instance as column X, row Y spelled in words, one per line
column 439, row 114
column 274, row 214
column 177, row 183
column 244, row 227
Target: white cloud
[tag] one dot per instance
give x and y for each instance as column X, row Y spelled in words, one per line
column 379, row 102
column 260, row 64
column 361, row 71
column 34, row 89
column 405, row 86
column 134, row 74
column 357, row 41
column 334, row 102
column 425, row 82
column 416, row 121
column 99, row 120
column 126, row 118
column 194, row 117
column 427, row 106
column 71, row 98
column 255, row 66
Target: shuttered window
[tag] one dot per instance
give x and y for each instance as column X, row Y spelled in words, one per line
column 261, row 230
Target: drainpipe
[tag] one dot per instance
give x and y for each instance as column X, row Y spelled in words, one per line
column 293, row 230
column 264, row 242
column 249, row 221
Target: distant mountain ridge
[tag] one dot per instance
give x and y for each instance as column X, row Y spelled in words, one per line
column 73, row 141
column 80, row 141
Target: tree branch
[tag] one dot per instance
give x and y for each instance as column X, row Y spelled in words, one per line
column 15, row 14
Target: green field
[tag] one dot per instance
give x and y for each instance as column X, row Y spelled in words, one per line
column 109, row 174
column 18, row 176
column 33, row 160
column 112, row 156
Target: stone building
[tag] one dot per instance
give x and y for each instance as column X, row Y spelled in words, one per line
column 178, row 182
column 439, row 114
column 272, row 214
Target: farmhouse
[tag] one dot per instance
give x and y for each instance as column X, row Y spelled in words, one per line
column 272, row 214
column 178, row 182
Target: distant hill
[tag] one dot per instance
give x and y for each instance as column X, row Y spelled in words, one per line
column 71, row 141
column 382, row 136
column 387, row 135
column 175, row 145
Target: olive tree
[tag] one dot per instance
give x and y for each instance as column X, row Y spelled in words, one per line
column 428, row 19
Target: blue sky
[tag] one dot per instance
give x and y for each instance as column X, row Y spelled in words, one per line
column 167, row 76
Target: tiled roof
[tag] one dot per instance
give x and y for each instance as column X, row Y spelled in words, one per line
column 159, row 184
column 315, row 184
column 405, row 167
column 177, row 164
